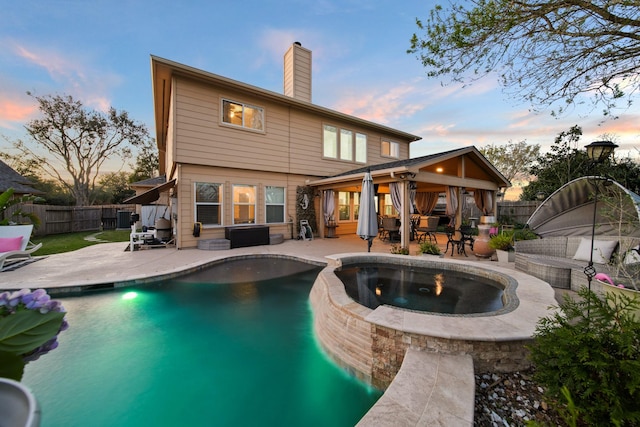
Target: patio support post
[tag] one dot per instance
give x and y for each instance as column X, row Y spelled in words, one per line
column 404, row 215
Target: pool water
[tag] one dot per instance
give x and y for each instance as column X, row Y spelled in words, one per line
column 433, row 290
column 191, row 353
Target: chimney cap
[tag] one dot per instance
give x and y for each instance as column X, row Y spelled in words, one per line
column 298, row 43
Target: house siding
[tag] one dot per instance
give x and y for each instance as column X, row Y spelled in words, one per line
column 190, row 174
column 292, row 141
column 287, row 153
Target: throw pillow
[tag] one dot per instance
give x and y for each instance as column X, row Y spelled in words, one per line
column 633, row 256
column 10, row 243
column 602, row 250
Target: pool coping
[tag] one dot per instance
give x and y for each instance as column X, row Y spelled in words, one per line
column 535, row 297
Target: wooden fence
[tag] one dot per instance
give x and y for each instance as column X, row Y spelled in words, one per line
column 511, row 212
column 69, row 219
column 516, row 212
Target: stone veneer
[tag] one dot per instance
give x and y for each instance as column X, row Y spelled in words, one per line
column 371, row 344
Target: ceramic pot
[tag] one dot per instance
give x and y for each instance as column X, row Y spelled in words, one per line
column 481, row 246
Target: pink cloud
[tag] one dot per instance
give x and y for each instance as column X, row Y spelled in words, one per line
column 380, row 107
column 73, row 74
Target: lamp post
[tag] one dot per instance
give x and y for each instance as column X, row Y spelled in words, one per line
column 597, row 152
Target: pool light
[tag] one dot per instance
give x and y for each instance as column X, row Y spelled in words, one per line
column 130, row 295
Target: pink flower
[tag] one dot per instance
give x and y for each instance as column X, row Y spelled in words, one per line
column 620, row 285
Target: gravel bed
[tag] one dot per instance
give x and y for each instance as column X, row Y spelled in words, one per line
column 511, row 400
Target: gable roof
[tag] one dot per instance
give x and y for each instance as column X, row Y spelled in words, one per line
column 9, row 178
column 423, row 170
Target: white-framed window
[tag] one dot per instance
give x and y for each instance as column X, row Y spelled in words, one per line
column 274, row 198
column 330, row 141
column 346, row 145
column 361, row 148
column 244, row 204
column 208, row 203
column 348, row 205
column 390, row 149
column 243, row 115
column 389, row 210
column 341, row 144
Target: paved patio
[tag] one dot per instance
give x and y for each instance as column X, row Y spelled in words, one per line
column 111, row 263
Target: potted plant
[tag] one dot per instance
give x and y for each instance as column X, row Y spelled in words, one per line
column 503, row 245
column 428, row 248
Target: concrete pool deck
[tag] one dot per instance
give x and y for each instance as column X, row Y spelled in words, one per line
column 109, row 265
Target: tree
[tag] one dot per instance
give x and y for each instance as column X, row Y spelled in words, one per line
column 146, row 163
column 53, row 193
column 567, row 160
column 114, row 188
column 513, row 159
column 545, row 51
column 79, row 141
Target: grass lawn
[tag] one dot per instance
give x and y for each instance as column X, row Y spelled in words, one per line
column 58, row 243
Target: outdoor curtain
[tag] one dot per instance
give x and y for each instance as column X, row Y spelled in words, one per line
column 426, row 202
column 452, row 204
column 484, row 201
column 395, row 189
column 413, row 188
column 328, row 205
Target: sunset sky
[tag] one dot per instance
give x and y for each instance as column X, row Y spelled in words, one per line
column 98, row 51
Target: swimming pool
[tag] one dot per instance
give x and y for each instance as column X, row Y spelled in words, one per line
column 189, row 352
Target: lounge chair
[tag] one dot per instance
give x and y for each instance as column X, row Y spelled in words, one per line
column 15, row 244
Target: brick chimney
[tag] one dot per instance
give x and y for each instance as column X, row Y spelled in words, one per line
column 297, row 72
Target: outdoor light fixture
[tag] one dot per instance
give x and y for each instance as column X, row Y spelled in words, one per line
column 598, row 152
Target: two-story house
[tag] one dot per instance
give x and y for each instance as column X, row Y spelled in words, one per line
column 235, row 154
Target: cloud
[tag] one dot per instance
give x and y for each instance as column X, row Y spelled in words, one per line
column 72, row 74
column 380, row 107
column 15, row 109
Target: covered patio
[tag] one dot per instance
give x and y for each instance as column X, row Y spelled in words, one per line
column 413, row 187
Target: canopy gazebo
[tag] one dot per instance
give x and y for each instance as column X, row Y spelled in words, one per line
column 415, row 185
column 569, row 210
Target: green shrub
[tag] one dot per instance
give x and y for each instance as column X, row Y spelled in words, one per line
column 399, row 250
column 429, row 248
column 502, row 241
column 592, row 347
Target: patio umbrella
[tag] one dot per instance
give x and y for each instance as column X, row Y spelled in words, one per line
column 367, row 217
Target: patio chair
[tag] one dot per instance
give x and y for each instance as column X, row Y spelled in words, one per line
column 15, row 245
column 391, row 229
column 427, row 227
column 456, row 244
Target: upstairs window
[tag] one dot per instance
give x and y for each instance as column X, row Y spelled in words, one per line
column 330, row 141
column 390, row 149
column 361, row 148
column 340, row 144
column 243, row 115
column 346, row 144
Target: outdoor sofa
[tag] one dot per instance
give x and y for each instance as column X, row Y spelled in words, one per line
column 560, row 260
